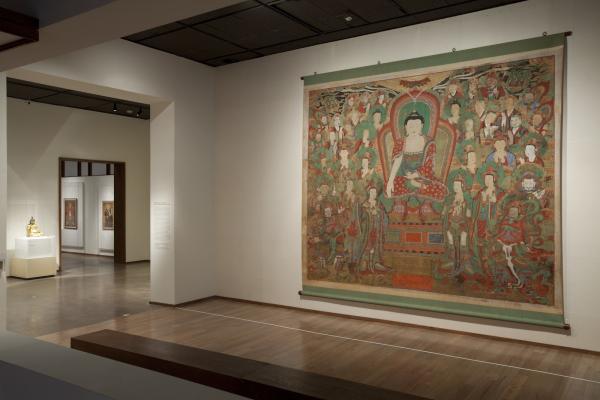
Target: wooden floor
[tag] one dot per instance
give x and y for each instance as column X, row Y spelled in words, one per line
column 420, row 361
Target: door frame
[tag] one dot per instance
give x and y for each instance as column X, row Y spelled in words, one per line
column 120, row 244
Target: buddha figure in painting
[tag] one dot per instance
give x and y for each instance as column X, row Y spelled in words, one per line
column 413, row 163
column 32, row 229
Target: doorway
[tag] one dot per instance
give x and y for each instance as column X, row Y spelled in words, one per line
column 91, row 213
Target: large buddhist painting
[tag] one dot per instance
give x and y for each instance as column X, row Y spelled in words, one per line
column 438, row 185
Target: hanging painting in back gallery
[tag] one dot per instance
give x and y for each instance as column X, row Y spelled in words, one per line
column 70, row 217
column 434, row 183
column 108, row 215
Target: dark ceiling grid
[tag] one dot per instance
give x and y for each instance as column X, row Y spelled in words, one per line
column 39, row 93
column 255, row 28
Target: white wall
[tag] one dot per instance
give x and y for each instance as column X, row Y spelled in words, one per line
column 89, row 237
column 3, row 167
column 38, row 134
column 258, row 170
column 181, row 93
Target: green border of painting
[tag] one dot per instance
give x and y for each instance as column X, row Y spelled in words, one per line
column 500, row 49
column 472, row 310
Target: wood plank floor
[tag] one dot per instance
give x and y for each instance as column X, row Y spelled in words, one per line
column 420, row 361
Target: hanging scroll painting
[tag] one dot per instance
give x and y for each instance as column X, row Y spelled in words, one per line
column 70, row 214
column 434, row 183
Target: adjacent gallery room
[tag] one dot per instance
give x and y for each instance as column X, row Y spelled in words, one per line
column 333, row 199
column 72, row 259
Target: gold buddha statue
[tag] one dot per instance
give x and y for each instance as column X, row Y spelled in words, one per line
column 32, row 229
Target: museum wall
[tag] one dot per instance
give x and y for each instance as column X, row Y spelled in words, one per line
column 90, row 237
column 181, row 95
column 3, row 156
column 258, row 169
column 38, row 134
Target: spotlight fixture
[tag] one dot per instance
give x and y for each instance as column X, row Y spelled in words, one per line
column 114, row 107
column 139, row 113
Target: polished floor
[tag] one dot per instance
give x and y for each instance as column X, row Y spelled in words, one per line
column 428, row 363
column 88, row 290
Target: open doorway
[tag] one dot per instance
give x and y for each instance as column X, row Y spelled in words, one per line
column 91, row 212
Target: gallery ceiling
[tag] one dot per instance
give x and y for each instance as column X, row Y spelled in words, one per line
column 69, row 98
column 257, row 28
column 48, row 11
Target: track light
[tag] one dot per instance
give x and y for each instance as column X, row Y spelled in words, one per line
column 139, row 113
column 114, row 107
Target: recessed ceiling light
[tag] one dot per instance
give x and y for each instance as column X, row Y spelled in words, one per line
column 129, row 111
column 348, row 18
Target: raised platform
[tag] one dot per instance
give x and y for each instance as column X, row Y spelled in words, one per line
column 250, row 378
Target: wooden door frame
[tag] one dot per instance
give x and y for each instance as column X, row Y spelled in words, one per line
column 120, row 244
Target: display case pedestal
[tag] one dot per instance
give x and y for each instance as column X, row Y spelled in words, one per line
column 34, row 257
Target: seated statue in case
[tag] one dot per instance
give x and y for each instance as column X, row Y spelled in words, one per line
column 32, row 229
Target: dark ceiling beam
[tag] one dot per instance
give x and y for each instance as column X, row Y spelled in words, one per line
column 20, row 25
column 137, row 108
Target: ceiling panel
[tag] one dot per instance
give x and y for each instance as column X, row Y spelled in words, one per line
column 251, row 29
column 155, row 31
column 374, row 10
column 256, row 27
column 232, row 58
column 325, row 16
column 244, row 5
column 192, row 44
column 417, row 6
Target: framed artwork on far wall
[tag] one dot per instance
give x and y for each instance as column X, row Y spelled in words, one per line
column 108, row 215
column 70, row 217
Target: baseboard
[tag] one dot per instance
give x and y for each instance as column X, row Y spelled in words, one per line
column 157, row 303
column 86, row 254
column 137, row 262
column 30, row 279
